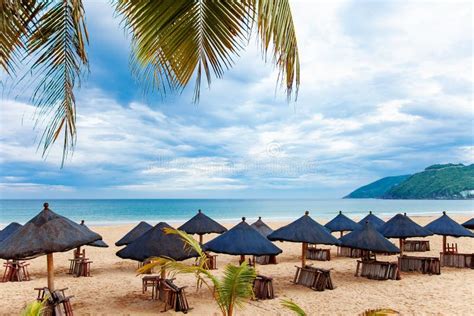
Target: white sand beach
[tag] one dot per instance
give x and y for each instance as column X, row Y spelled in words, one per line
column 115, row 289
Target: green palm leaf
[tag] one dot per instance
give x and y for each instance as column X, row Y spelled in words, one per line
column 57, row 46
column 236, row 287
column 175, row 41
column 16, row 19
column 293, row 307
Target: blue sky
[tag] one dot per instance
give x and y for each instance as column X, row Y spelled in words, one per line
column 386, row 90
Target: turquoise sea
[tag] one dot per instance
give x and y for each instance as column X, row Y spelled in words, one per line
column 104, row 212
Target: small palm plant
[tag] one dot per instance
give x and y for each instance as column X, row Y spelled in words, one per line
column 34, row 308
column 230, row 292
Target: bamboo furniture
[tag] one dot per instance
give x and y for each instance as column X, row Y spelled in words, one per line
column 15, row 271
column 314, row 253
column 457, row 260
column 263, row 260
column 416, row 245
column 263, row 288
column 174, row 296
column 314, row 278
column 425, row 265
column 57, row 303
column 377, row 270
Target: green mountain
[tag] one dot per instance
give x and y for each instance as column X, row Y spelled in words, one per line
column 376, row 189
column 441, row 181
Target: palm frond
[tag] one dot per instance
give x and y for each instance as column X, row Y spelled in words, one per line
column 237, row 286
column 34, row 308
column 275, row 27
column 293, row 307
column 57, row 46
column 176, row 40
column 16, row 19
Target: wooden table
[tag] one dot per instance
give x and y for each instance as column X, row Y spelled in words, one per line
column 319, row 254
column 314, row 278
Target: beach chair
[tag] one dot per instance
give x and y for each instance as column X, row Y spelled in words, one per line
column 263, row 287
column 175, row 297
column 315, row 278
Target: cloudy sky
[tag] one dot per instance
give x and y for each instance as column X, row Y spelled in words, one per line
column 387, row 89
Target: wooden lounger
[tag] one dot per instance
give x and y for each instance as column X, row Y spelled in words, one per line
column 416, row 245
column 425, row 265
column 457, row 260
column 319, row 254
column 377, row 270
column 315, row 278
column 263, row 288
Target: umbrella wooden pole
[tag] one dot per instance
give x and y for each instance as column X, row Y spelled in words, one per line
column 444, row 244
column 342, row 233
column 401, row 246
column 242, row 259
column 163, row 273
column 50, row 263
column 303, row 254
column 200, row 239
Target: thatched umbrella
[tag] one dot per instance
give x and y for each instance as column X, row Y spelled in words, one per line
column 401, row 226
column 304, row 230
column 242, row 240
column 7, row 231
column 368, row 238
column 156, row 243
column 261, row 227
column 469, row 224
column 341, row 223
column 133, row 234
column 446, row 226
column 201, row 224
column 374, row 220
column 45, row 234
column 98, row 243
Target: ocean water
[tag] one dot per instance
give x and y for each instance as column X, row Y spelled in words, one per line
column 106, row 212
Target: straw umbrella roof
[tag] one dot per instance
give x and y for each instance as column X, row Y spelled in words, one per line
column 341, row 223
column 242, row 240
column 401, row 226
column 98, row 243
column 156, row 243
column 201, row 224
column 133, row 234
column 469, row 224
column 368, row 238
column 446, row 226
column 10, row 229
column 261, row 227
column 46, row 233
column 374, row 220
column 306, row 230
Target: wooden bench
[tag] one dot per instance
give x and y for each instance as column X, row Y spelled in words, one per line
column 263, row 288
column 416, row 245
column 314, row 278
column 457, row 260
column 319, row 254
column 174, row 296
column 377, row 270
column 425, row 265
column 263, row 260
